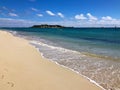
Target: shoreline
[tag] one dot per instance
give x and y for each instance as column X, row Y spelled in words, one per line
column 90, row 80
column 45, row 61
column 31, row 42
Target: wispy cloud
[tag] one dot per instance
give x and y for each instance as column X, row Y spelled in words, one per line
column 88, row 16
column 91, row 17
column 34, row 9
column 4, row 8
column 9, row 22
column 80, row 17
column 40, row 15
column 50, row 13
column 13, row 14
column 108, row 18
column 79, row 20
column 5, row 11
column 60, row 14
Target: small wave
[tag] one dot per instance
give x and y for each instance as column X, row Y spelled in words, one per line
column 81, row 63
column 65, row 50
column 81, row 53
column 54, row 47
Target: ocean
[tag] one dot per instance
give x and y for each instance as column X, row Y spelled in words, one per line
column 92, row 52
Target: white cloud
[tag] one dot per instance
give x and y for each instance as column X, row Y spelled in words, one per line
column 13, row 14
column 80, row 17
column 50, row 13
column 61, row 15
column 34, row 9
column 106, row 21
column 107, row 18
column 92, row 21
column 40, row 15
column 9, row 22
column 91, row 17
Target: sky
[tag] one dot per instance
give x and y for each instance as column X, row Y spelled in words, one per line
column 76, row 13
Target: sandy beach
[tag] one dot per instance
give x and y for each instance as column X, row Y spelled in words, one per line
column 23, row 68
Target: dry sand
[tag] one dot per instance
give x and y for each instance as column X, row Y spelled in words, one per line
column 23, row 68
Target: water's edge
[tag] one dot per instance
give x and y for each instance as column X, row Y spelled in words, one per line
column 92, row 81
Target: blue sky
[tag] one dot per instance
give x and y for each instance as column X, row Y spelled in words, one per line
column 79, row 13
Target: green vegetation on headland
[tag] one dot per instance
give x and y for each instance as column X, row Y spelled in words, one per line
column 59, row 26
column 49, row 26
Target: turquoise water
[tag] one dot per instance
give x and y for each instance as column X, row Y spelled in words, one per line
column 93, row 52
column 103, row 41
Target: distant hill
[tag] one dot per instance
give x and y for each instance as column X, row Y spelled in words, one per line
column 47, row 26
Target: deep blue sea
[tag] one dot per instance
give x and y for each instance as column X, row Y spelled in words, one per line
column 93, row 52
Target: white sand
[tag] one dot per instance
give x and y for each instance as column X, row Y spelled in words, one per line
column 23, row 68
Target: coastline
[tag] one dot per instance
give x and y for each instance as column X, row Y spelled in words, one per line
column 25, row 69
